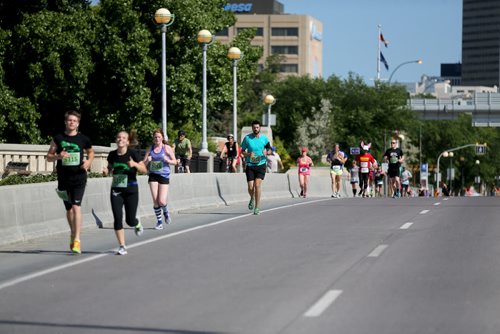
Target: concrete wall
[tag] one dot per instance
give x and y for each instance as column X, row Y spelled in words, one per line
column 34, row 210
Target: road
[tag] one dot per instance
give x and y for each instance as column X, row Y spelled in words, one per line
column 318, row 265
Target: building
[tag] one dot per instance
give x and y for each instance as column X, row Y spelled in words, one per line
column 298, row 38
column 481, row 43
column 453, row 73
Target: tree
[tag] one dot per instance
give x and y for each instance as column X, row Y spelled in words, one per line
column 315, row 131
column 18, row 116
column 103, row 61
column 50, row 62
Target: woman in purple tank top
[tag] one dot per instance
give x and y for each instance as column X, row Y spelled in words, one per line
column 158, row 160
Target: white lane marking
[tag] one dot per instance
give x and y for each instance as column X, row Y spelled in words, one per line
column 40, row 273
column 378, row 251
column 48, row 271
column 323, row 303
column 423, row 212
column 438, row 203
column 406, row 226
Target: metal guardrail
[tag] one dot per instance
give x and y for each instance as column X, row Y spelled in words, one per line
column 484, row 107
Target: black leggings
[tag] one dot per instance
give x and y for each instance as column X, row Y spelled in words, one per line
column 128, row 197
column 363, row 181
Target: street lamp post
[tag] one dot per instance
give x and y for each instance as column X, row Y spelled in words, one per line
column 418, row 61
column 164, row 18
column 205, row 39
column 269, row 100
column 234, row 54
column 445, row 154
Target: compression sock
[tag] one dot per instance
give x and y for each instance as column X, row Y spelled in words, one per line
column 158, row 212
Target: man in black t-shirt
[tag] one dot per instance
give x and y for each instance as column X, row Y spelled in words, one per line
column 395, row 157
column 68, row 150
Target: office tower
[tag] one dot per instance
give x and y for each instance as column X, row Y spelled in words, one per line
column 481, row 43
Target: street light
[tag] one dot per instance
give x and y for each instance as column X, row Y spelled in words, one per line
column 269, row 100
column 445, row 154
column 205, row 39
column 418, row 61
column 234, row 54
column 164, row 18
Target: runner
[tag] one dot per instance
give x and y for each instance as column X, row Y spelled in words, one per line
column 337, row 159
column 366, row 164
column 354, row 177
column 67, row 149
column 273, row 161
column 230, row 153
column 379, row 181
column 124, row 163
column 304, row 163
column 183, row 151
column 395, row 157
column 159, row 157
column 405, row 180
column 255, row 147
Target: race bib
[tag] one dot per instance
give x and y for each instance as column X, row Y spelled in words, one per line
column 120, row 181
column 394, row 160
column 72, row 160
column 336, row 168
column 364, row 170
column 62, row 194
column 304, row 169
column 255, row 159
column 364, row 164
column 156, row 166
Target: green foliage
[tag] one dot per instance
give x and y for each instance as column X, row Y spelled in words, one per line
column 21, row 179
column 286, row 159
column 318, row 113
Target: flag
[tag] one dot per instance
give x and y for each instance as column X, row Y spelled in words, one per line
column 382, row 59
column 383, row 40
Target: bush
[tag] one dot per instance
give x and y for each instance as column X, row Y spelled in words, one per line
column 36, row 178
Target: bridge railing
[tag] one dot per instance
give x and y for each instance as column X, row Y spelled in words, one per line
column 484, row 107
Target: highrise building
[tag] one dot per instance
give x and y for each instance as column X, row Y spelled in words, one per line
column 298, row 38
column 481, row 43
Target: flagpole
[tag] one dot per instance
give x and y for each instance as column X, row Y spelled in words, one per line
column 378, row 53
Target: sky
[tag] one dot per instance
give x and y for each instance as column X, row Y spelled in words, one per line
column 430, row 30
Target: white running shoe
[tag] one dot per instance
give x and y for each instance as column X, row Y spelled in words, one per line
column 121, row 251
column 159, row 226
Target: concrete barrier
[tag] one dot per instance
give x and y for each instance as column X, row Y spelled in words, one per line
column 33, row 210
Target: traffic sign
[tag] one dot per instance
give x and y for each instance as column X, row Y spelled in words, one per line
column 480, row 149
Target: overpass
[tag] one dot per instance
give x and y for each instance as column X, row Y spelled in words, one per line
column 484, row 107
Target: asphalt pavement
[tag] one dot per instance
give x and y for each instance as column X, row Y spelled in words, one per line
column 316, row 265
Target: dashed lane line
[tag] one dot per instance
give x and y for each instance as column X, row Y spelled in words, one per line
column 322, row 304
column 378, row 251
column 406, row 226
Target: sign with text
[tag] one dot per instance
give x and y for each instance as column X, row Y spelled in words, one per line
column 354, row 150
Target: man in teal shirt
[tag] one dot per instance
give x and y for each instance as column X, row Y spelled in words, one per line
column 255, row 147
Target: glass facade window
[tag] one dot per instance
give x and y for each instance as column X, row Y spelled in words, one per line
column 285, row 49
column 289, row 68
column 223, row 32
column 285, row 32
column 259, row 32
